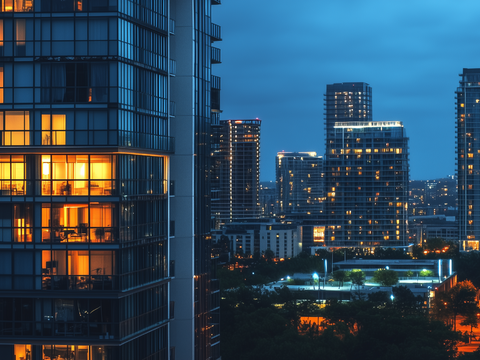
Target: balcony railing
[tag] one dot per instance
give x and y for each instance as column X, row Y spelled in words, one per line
column 149, row 141
column 216, row 55
column 215, row 82
column 173, row 68
column 216, row 33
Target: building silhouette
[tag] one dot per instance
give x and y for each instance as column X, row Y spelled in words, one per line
column 299, row 184
column 468, row 158
column 105, row 212
column 236, row 173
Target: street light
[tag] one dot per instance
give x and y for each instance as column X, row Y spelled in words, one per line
column 316, row 278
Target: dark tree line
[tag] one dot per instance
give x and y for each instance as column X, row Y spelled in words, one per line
column 264, row 325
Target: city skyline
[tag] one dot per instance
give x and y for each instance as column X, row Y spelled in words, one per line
column 410, row 53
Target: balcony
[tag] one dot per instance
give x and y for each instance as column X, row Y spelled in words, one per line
column 215, row 82
column 216, row 32
column 216, row 55
column 172, row 68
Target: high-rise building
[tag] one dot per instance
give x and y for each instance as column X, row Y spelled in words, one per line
column 267, row 199
column 236, row 179
column 349, row 101
column 468, row 158
column 93, row 189
column 299, row 184
column 367, row 185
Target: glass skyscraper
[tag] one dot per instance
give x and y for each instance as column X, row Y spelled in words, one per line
column 299, row 184
column 236, row 175
column 348, row 101
column 468, row 158
column 367, row 185
column 105, row 114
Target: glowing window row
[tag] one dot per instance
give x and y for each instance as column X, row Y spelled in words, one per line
column 61, row 223
column 61, row 352
column 78, row 174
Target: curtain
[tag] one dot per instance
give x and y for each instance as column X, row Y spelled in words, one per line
column 59, row 82
column 99, row 82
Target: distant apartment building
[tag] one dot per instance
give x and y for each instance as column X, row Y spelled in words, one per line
column 366, row 176
column 468, row 158
column 267, row 196
column 299, row 184
column 422, row 228
column 236, row 172
column 248, row 237
column 349, row 101
column 433, row 197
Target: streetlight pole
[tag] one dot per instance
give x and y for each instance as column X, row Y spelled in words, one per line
column 316, row 278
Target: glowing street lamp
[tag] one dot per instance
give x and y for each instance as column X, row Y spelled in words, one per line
column 316, row 278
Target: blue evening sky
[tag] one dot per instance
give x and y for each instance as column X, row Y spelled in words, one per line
column 278, row 56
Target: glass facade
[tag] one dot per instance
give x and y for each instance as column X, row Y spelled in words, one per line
column 86, row 146
column 468, row 159
column 367, row 185
column 236, row 177
column 299, row 184
column 347, row 102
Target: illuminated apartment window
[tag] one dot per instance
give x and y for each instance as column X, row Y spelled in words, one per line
column 15, row 128
column 102, row 171
column 17, row 6
column 78, row 222
column 22, row 351
column 1, row 79
column 22, row 222
column 53, row 352
column 53, row 129
column 69, row 174
column 7, row 5
column 12, row 174
column 58, row 169
column 78, row 269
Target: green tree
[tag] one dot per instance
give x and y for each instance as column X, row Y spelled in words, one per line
column 357, row 277
column 425, row 273
column 341, row 276
column 434, row 244
column 269, row 255
column 409, row 273
column 385, row 277
column 405, row 301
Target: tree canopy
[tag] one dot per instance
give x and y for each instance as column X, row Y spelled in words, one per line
column 357, row 277
column 385, row 277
